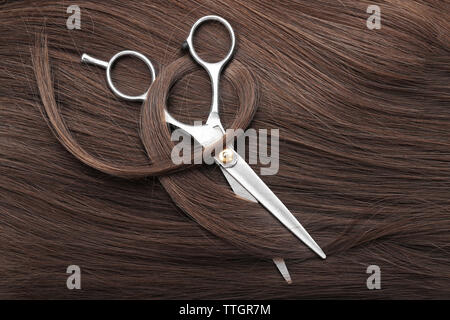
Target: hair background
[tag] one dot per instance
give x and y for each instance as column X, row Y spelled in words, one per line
column 364, row 119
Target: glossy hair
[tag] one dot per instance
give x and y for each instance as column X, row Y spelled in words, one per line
column 87, row 179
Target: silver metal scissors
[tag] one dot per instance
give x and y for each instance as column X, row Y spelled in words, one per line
column 241, row 177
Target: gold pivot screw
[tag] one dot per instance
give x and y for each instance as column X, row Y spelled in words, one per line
column 226, row 156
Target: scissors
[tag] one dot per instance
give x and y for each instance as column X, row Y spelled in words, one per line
column 241, row 177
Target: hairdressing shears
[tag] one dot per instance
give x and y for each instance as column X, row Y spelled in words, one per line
column 241, row 177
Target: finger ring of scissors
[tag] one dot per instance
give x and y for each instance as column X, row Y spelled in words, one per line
column 109, row 65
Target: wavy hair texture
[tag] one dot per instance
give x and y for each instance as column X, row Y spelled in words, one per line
column 86, row 178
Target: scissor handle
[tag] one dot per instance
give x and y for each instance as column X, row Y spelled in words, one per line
column 213, row 68
column 190, row 41
column 108, row 66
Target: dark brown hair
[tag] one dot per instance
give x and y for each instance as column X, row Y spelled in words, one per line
column 87, row 179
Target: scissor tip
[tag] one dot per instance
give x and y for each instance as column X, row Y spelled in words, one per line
column 322, row 254
column 315, row 247
column 281, row 265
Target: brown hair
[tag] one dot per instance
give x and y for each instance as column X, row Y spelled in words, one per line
column 364, row 119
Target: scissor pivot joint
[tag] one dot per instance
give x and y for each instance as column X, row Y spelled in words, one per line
column 227, row 157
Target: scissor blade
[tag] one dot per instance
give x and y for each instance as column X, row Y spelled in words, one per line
column 250, row 181
column 281, row 265
column 240, row 191
column 204, row 136
column 237, row 188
